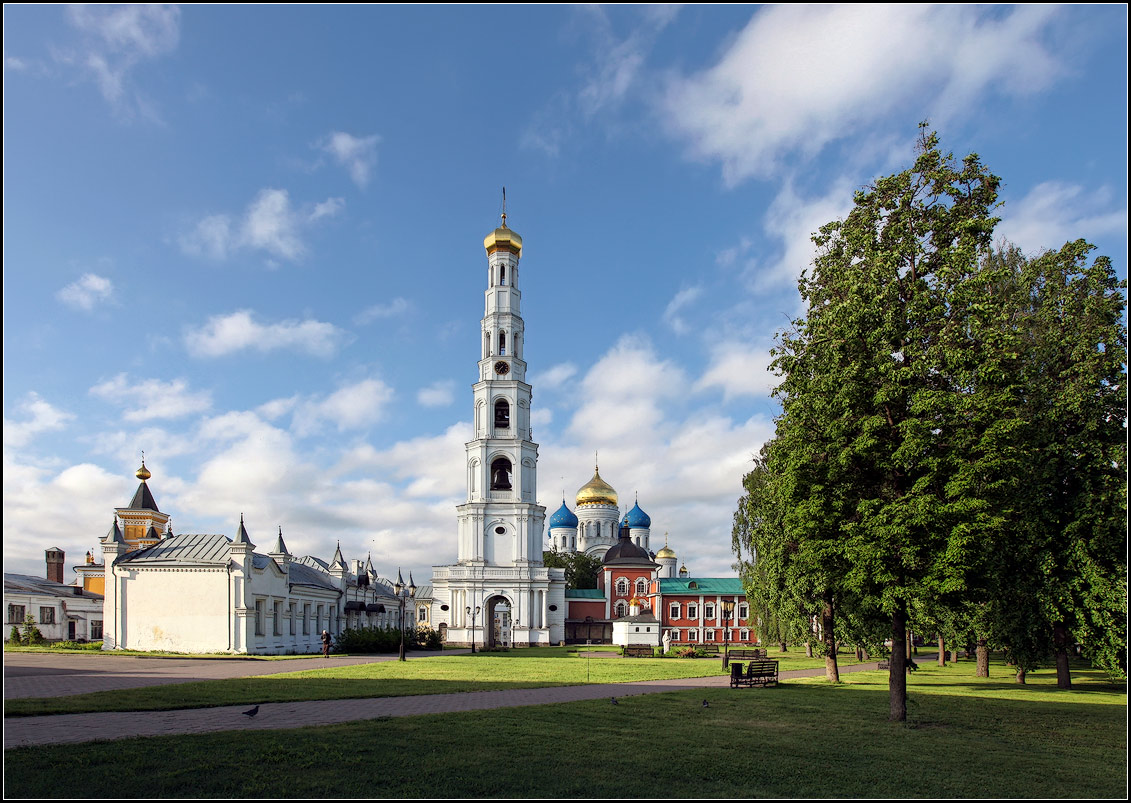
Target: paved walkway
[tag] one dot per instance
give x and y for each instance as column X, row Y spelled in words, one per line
column 73, row 728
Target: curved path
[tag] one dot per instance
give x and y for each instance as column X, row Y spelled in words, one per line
column 72, row 728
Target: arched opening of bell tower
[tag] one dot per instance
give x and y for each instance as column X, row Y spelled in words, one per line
column 499, row 621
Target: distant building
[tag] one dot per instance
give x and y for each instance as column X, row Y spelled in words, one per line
column 211, row 593
column 60, row 612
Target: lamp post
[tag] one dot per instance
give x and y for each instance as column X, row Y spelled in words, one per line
column 472, row 614
column 728, row 611
column 402, row 598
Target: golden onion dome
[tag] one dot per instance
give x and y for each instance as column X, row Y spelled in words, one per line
column 503, row 238
column 596, row 492
column 142, row 473
column 666, row 552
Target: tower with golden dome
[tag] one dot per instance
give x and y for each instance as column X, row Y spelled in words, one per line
column 498, row 590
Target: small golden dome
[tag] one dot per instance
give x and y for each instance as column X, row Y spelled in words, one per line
column 142, row 473
column 666, row 552
column 505, row 239
column 596, row 492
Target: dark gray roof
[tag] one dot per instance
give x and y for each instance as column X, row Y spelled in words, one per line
column 143, row 499
column 302, row 574
column 191, row 548
column 28, row 584
column 642, row 618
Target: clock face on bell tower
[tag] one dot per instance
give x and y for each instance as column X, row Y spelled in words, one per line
column 501, row 368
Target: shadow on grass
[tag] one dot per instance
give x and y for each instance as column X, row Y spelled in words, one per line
column 793, row 741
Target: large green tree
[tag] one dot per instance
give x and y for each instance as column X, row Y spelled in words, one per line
column 869, row 378
column 581, row 570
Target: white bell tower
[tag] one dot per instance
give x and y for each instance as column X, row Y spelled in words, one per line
column 499, row 580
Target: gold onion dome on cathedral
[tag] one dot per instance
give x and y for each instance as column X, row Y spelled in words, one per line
column 596, row 492
column 142, row 473
column 503, row 238
column 666, row 552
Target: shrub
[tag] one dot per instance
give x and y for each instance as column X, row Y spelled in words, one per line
column 687, row 652
column 14, row 637
column 427, row 639
column 31, row 632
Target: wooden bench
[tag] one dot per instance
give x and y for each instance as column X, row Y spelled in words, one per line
column 758, row 673
column 883, row 665
column 743, row 654
column 639, row 651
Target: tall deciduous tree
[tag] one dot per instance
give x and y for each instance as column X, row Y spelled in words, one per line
column 871, row 371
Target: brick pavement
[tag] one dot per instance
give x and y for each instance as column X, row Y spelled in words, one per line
column 73, row 728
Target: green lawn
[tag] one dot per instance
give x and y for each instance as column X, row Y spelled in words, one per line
column 439, row 674
column 965, row 737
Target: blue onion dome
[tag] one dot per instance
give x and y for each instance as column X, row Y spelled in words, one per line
column 637, row 518
column 564, row 517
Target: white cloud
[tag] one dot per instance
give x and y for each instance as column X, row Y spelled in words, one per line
column 350, row 407
column 438, row 394
column 1054, row 213
column 151, row 398
column 269, row 224
column 357, row 154
column 90, row 289
column 118, row 39
column 398, row 306
column 238, row 331
column 42, row 416
column 555, row 377
column 739, row 370
column 794, row 220
column 801, row 76
column 681, row 299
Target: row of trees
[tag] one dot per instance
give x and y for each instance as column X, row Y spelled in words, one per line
column 952, row 444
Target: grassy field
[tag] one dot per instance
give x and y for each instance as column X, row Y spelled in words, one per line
column 440, row 674
column 965, row 737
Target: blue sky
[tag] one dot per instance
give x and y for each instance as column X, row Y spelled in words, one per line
column 248, row 241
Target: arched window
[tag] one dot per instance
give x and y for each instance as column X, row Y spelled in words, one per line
column 622, row 586
column 501, row 474
column 641, row 587
column 502, row 344
column 486, row 344
column 502, row 274
column 502, row 414
column 622, row 608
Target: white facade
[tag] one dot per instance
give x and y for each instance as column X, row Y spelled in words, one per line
column 499, row 528
column 60, row 612
column 206, row 593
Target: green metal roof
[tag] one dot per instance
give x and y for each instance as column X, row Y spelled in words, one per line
column 584, row 593
column 702, row 585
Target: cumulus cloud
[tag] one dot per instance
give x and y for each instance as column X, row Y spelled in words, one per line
column 683, row 298
column 799, row 77
column 395, row 307
column 270, row 224
column 150, row 399
column 1053, row 213
column 793, row 220
column 349, row 407
column 239, row 331
column 438, row 394
column 86, row 292
column 39, row 416
column 116, row 40
column 738, row 369
column 554, row 377
column 358, row 155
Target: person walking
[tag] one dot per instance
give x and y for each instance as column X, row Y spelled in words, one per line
column 326, row 643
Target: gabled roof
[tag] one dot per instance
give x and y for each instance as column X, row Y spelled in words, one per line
column 28, row 584
column 703, row 585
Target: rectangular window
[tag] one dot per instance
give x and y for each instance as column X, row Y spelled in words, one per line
column 744, row 611
column 744, row 634
column 95, row 629
column 710, row 635
column 692, row 635
column 277, row 618
column 673, row 611
column 318, row 621
column 692, row 610
column 293, row 615
column 259, row 617
column 422, row 614
column 47, row 616
column 709, row 611
column 306, row 619
column 16, row 614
